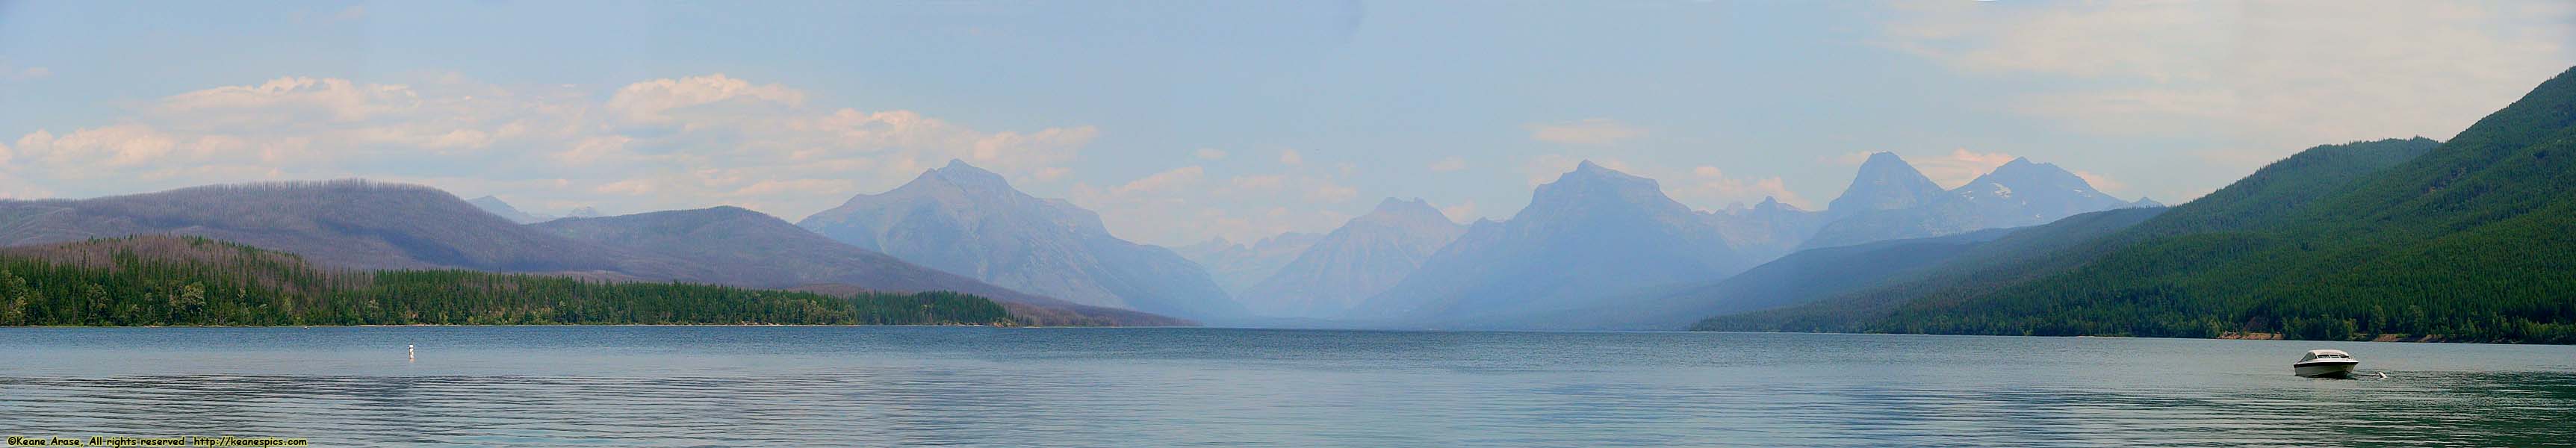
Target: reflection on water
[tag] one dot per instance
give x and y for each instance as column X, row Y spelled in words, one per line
column 661, row 386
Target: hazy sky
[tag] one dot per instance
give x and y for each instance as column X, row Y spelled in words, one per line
column 1179, row 121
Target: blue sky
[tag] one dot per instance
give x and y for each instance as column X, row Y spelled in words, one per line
column 1181, row 121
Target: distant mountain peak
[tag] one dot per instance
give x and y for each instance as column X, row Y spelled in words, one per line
column 1394, row 204
column 1885, row 182
column 958, row 173
column 1591, row 184
column 495, row 206
column 1401, row 211
column 1589, row 171
column 1773, row 204
column 963, row 219
column 2021, row 173
column 2023, row 164
column 731, row 211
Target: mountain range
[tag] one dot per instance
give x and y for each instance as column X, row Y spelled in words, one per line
column 965, row 220
column 1595, row 238
column 377, row 226
column 1891, row 200
column 1591, row 232
column 1364, row 257
column 2467, row 240
column 1236, row 267
column 496, row 207
column 746, row 248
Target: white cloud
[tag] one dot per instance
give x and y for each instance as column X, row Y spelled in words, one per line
column 657, row 144
column 353, row 12
column 1330, row 192
column 1291, row 157
column 10, row 73
column 1211, row 154
column 1164, row 182
column 1260, row 183
column 290, row 99
column 1593, row 131
column 1181, row 205
column 1453, row 163
column 1854, row 158
column 1959, row 166
column 654, row 101
column 2268, row 74
column 629, row 187
column 2101, row 182
column 1463, row 212
column 1709, row 186
column 595, row 149
column 1049, row 174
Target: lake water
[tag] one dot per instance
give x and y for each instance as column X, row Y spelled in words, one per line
column 862, row 386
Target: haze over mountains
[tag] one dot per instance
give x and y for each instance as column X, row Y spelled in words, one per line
column 373, row 226
column 2393, row 239
column 969, row 221
column 2466, row 240
column 354, row 224
column 1236, row 267
column 505, row 211
column 1359, row 260
column 1890, row 200
column 1595, row 238
column 1885, row 182
column 746, row 248
column 1592, row 231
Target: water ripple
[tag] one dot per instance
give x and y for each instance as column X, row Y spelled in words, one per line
column 1257, row 388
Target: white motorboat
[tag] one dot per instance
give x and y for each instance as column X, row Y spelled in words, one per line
column 2325, row 364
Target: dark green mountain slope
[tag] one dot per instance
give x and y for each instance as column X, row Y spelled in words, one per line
column 2471, row 240
column 2017, row 256
column 2276, row 190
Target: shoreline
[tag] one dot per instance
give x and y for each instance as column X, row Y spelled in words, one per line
column 2385, row 338
column 521, row 325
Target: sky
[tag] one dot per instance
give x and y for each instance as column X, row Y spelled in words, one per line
column 1184, row 121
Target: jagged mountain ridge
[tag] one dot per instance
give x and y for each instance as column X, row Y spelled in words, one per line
column 1362, row 258
column 1237, row 267
column 1592, row 233
column 965, row 220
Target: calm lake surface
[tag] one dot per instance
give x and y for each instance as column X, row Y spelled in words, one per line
column 861, row 386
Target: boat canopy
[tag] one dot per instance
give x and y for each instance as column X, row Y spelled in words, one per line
column 2328, row 354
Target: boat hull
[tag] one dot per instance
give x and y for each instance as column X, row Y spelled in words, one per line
column 2325, row 369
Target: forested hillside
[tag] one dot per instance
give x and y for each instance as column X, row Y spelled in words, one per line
column 2471, row 241
column 2468, row 241
column 167, row 280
